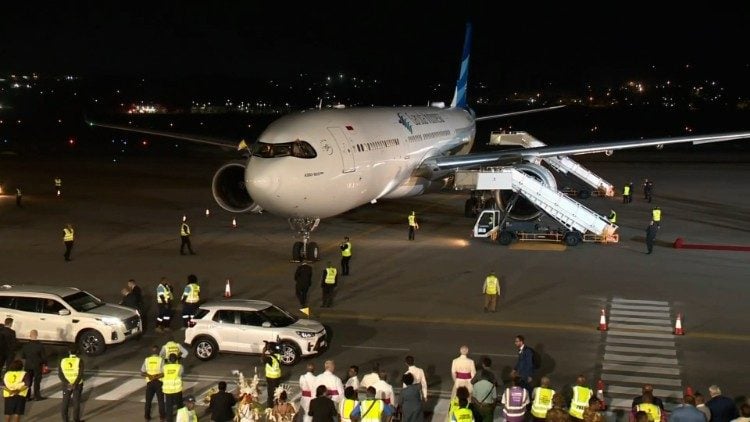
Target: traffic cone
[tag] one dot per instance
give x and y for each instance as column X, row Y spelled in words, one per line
column 208, row 212
column 603, row 321
column 228, row 290
column 184, row 217
column 234, row 223
column 600, row 394
column 689, row 391
column 58, row 192
column 678, row 326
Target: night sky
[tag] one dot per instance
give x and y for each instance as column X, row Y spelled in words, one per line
column 241, row 38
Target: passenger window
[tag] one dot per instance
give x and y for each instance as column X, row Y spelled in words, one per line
column 251, row 318
column 28, row 304
column 52, row 307
column 6, row 302
column 225, row 317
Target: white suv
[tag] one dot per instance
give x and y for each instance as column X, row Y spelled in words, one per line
column 243, row 326
column 67, row 315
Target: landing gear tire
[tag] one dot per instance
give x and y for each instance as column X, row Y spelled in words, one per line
column 572, row 238
column 297, row 251
column 505, row 237
column 313, row 252
column 470, row 208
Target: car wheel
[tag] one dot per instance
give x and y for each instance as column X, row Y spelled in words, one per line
column 290, row 353
column 205, row 348
column 91, row 343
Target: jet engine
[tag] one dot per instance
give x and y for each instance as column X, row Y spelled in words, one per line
column 229, row 189
column 523, row 209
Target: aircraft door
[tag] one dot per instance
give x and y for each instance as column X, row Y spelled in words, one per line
column 345, row 148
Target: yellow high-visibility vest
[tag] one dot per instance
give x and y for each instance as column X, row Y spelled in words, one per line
column 58, row 182
column 171, row 382
column 348, row 250
column 613, row 217
column 162, row 290
column 652, row 410
column 193, row 292
column 412, row 220
column 273, row 370
column 626, row 190
column 185, row 415
column 371, row 410
column 330, row 275
column 68, row 235
column 184, row 230
column 493, row 285
column 70, row 367
column 542, row 402
column 173, row 347
column 580, row 402
column 13, row 384
column 153, row 365
column 656, row 214
column 347, row 406
column 463, row 414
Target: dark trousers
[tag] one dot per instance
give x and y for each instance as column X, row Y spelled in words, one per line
column 301, row 293
column 625, row 199
column 272, row 383
column 153, row 388
column 35, row 372
column 18, row 200
column 172, row 403
column 188, row 311
column 73, row 395
column 345, row 265
column 68, row 249
column 411, row 232
column 5, row 356
column 186, row 242
column 650, row 245
column 328, row 295
column 164, row 316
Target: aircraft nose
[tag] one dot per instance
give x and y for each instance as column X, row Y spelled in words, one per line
column 262, row 181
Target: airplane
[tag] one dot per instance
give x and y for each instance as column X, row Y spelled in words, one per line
column 315, row 164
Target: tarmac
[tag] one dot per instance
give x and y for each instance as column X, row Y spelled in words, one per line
column 419, row 297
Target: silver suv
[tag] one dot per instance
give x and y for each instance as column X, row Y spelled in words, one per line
column 67, row 315
column 243, row 326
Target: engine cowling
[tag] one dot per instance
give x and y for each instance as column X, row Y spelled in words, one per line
column 523, row 209
column 228, row 187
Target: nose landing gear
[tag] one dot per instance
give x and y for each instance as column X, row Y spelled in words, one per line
column 304, row 250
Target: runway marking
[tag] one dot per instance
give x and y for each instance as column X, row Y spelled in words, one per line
column 640, row 342
column 186, row 385
column 640, row 302
column 642, row 380
column 496, row 354
column 88, row 385
column 639, row 307
column 647, row 369
column 621, row 403
column 124, row 390
column 537, row 246
column 376, row 348
column 664, row 329
column 643, row 320
column 640, row 313
column 645, row 359
column 648, row 351
column 627, row 333
column 635, row 391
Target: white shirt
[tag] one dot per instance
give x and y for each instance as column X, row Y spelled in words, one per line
column 352, row 382
column 384, row 391
column 333, row 384
column 419, row 378
column 465, row 365
column 369, row 380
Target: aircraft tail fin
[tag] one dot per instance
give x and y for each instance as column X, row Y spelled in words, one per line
column 459, row 95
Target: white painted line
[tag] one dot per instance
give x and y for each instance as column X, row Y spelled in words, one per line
column 49, row 381
column 376, row 348
column 643, row 359
column 652, row 321
column 662, row 329
column 625, row 333
column 620, row 340
column 615, row 312
column 621, row 403
column 88, row 384
column 640, row 302
column 124, row 390
column 496, row 354
column 635, row 391
column 641, row 308
column 186, row 385
column 641, row 350
column 640, row 380
column 647, row 369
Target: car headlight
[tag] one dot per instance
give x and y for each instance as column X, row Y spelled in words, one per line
column 305, row 334
column 112, row 321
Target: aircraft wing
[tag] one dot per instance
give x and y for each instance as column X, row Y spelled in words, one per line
column 509, row 156
column 219, row 142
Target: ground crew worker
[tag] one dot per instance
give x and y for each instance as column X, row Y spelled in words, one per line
column 612, row 216
column 656, row 216
column 185, row 237
column 187, row 413
column 58, row 185
column 462, row 413
column 626, row 194
column 164, row 300
column 153, row 370
column 632, row 191
column 68, row 238
column 371, row 409
column 347, row 405
column 272, row 358
column 15, row 391
column 190, row 298
column 648, row 189
column 541, row 400
column 413, row 225
column 346, row 255
column 462, row 371
column 70, row 373
column 172, row 386
column 173, row 348
column 514, row 400
column 491, row 290
column 328, row 283
column 651, row 231
column 647, row 405
column 19, row 196
column 580, row 401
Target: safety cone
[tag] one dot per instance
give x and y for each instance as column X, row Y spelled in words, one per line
column 58, row 192
column 208, row 212
column 228, row 289
column 678, row 326
column 600, row 394
column 689, row 391
column 184, row 217
column 305, row 311
column 603, row 321
column 234, row 223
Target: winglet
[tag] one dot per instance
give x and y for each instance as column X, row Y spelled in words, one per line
column 459, row 95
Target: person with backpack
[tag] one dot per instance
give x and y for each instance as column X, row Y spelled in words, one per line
column 525, row 365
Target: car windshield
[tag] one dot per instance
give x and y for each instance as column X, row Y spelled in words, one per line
column 83, row 302
column 279, row 317
column 299, row 149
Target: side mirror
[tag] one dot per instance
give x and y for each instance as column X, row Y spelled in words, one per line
column 266, row 324
column 63, row 312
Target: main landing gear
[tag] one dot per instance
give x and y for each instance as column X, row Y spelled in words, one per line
column 304, row 250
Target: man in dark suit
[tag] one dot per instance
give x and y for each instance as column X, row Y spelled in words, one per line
column 221, row 404
column 524, row 368
column 34, row 356
column 722, row 408
column 322, row 408
column 303, row 281
column 8, row 338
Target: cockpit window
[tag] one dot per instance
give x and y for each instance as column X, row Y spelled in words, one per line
column 299, row 149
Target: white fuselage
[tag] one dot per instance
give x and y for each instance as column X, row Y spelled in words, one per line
column 363, row 154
